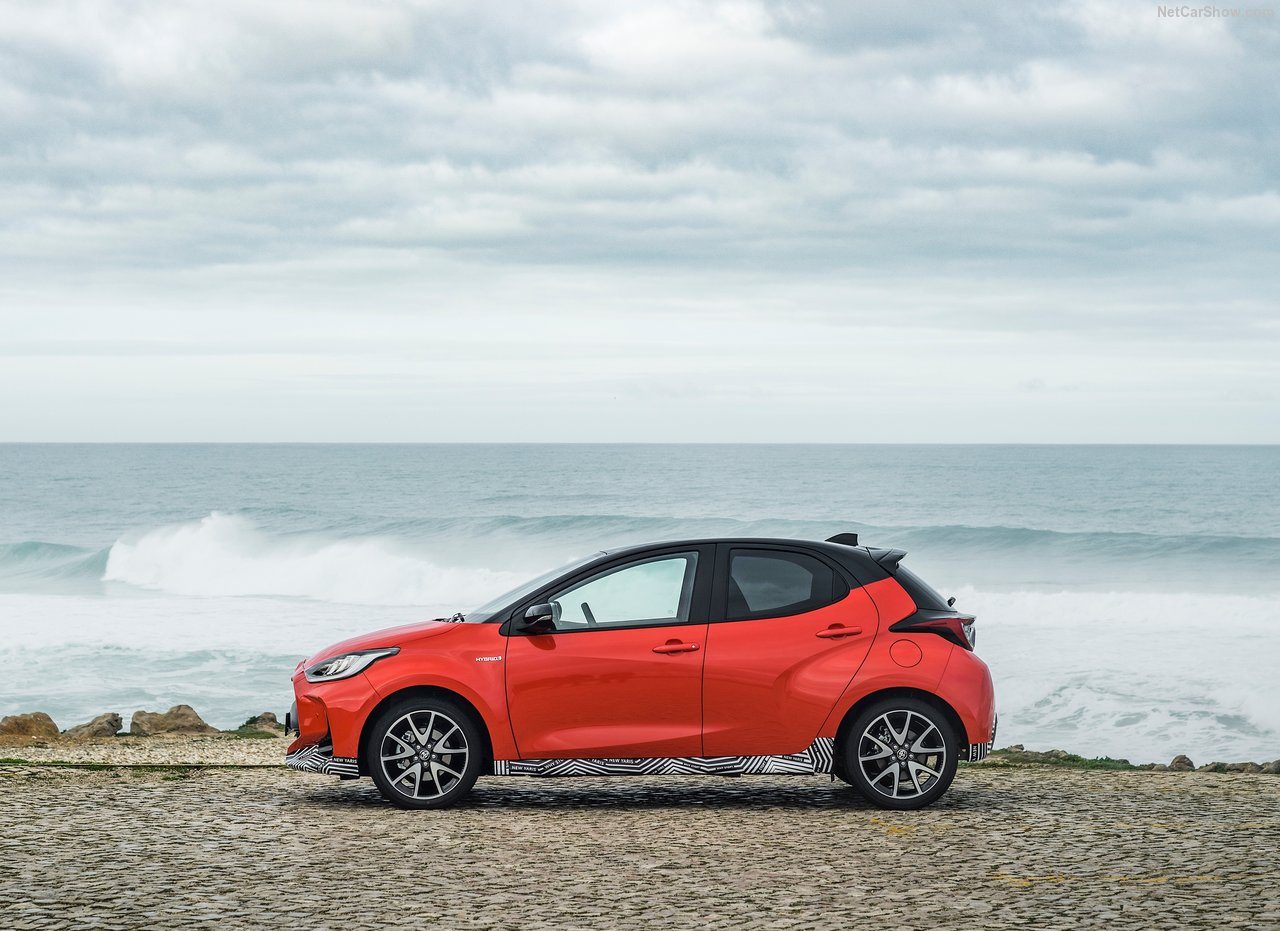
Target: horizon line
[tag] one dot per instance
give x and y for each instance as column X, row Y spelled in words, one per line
column 1172, row 443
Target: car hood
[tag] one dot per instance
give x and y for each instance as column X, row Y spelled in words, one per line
column 388, row 637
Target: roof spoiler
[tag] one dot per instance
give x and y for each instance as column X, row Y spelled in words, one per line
column 888, row 559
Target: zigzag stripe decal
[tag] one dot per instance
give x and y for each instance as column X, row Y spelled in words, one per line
column 321, row 760
column 818, row 758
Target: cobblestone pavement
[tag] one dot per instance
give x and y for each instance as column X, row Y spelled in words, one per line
column 1008, row 847
column 161, row 750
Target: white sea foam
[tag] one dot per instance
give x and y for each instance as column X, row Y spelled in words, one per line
column 225, row 554
column 1133, row 674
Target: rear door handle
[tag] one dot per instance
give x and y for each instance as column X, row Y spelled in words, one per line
column 831, row 633
column 675, row 646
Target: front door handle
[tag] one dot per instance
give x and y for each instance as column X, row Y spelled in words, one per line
column 831, row 633
column 675, row 646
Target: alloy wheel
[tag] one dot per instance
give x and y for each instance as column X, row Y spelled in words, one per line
column 902, row 754
column 424, row 754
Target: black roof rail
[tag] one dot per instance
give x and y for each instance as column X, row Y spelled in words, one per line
column 846, row 539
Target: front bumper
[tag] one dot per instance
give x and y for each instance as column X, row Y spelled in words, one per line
column 320, row 759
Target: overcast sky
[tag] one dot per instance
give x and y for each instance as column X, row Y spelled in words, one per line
column 638, row 221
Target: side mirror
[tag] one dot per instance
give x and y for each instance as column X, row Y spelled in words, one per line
column 537, row 619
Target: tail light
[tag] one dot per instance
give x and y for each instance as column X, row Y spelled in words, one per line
column 960, row 629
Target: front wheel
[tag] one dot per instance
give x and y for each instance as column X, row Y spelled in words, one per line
column 424, row 753
column 900, row 753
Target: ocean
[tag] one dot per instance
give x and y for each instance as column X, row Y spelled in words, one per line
column 1126, row 595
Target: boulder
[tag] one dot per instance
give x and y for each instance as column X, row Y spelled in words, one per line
column 33, row 724
column 180, row 719
column 1272, row 768
column 1181, row 764
column 266, row 723
column 104, row 725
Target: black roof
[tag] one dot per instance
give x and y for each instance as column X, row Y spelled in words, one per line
column 860, row 561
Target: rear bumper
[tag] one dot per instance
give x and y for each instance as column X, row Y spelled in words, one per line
column 320, row 759
column 980, row 751
column 966, row 687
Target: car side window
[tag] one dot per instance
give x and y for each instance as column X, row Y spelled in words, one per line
column 777, row 583
column 657, row 590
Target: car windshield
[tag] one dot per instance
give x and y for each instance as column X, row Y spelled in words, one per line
column 490, row 609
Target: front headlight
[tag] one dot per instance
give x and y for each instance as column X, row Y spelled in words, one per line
column 345, row 665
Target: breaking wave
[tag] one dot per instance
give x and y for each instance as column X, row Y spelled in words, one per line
column 226, row 554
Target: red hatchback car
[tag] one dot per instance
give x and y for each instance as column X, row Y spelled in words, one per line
column 718, row 657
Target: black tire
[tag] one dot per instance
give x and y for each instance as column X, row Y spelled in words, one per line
column 882, row 736
column 436, row 739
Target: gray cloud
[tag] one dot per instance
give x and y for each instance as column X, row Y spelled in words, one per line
column 277, row 176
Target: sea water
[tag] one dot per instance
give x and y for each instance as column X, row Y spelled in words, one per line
column 1126, row 595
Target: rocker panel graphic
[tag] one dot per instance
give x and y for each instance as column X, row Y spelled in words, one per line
column 816, row 759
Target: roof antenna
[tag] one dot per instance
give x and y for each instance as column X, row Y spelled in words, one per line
column 846, row 539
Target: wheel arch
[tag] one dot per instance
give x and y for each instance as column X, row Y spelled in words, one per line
column 846, row 723
column 425, row 691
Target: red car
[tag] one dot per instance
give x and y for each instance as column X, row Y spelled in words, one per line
column 718, row 657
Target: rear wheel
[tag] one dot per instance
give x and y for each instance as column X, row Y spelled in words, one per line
column 424, row 753
column 900, row 753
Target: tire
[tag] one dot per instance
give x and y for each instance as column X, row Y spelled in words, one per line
column 424, row 753
column 899, row 753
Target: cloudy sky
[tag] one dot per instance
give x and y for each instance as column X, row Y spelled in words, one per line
column 743, row 221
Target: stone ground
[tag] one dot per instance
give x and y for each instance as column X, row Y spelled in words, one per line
column 1034, row 847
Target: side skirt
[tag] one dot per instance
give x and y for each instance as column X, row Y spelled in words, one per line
column 816, row 759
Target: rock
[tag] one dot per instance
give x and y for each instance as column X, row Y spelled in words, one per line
column 264, row 723
column 104, row 725
column 1250, row 768
column 1273, row 768
column 1158, row 767
column 1181, row 764
column 180, row 719
column 33, row 724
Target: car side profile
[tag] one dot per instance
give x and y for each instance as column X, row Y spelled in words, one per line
column 704, row 657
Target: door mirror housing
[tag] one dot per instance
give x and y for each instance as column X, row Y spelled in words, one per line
column 537, row 619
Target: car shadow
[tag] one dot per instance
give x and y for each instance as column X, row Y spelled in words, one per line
column 642, row 792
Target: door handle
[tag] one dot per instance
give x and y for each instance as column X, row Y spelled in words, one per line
column 675, row 646
column 831, row 633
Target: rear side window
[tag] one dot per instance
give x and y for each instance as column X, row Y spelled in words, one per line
column 777, row 583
